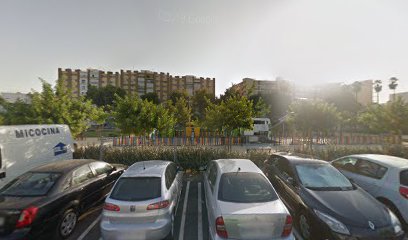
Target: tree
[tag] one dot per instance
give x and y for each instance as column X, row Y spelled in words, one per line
column 378, row 88
column 104, row 96
column 166, row 121
column 356, row 86
column 58, row 106
column 314, row 116
column 134, row 116
column 261, row 109
column 182, row 112
column 18, row 113
column 200, row 102
column 178, row 94
column 151, row 97
column 393, row 85
column 234, row 113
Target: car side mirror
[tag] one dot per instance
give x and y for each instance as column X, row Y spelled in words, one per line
column 203, row 168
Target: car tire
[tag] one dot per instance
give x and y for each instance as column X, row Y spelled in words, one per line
column 67, row 223
column 305, row 229
column 394, row 209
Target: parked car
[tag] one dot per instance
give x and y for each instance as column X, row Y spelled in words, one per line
column 50, row 198
column 384, row 177
column 326, row 205
column 143, row 202
column 242, row 203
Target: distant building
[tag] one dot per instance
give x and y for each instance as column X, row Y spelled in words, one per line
column 250, row 86
column 402, row 95
column 364, row 96
column 135, row 82
column 13, row 97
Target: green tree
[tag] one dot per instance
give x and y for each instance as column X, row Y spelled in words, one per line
column 378, row 88
column 18, row 113
column 178, row 94
column 134, row 116
column 166, row 121
column 104, row 96
column 356, row 87
column 200, row 102
column 261, row 109
column 182, row 112
column 314, row 116
column 58, row 106
column 234, row 113
column 393, row 85
column 151, row 97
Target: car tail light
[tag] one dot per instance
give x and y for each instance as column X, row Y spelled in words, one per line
column 158, row 205
column 111, row 207
column 287, row 229
column 404, row 192
column 220, row 227
column 26, row 217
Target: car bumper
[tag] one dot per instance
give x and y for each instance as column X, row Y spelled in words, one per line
column 128, row 231
column 216, row 237
column 369, row 236
column 18, row 234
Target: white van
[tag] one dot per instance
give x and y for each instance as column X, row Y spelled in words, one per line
column 24, row 147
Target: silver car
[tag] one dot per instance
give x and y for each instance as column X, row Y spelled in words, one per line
column 142, row 203
column 242, row 204
column 384, row 177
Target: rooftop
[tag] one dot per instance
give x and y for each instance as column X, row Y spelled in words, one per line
column 151, row 168
column 385, row 160
column 232, row 165
column 62, row 165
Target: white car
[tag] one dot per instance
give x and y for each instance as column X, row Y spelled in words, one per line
column 142, row 203
column 384, row 177
column 242, row 203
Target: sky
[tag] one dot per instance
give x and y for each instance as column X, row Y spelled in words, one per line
column 305, row 41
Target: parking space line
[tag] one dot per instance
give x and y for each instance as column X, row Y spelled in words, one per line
column 83, row 235
column 200, row 215
column 183, row 217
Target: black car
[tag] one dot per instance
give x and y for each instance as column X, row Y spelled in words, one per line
column 326, row 205
column 50, row 198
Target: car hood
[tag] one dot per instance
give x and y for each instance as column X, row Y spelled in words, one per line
column 18, row 203
column 354, row 207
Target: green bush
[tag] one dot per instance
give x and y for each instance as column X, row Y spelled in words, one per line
column 187, row 157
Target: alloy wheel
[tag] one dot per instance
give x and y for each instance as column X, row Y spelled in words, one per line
column 68, row 224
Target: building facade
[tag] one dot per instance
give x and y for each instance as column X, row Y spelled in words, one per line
column 402, row 95
column 250, row 86
column 135, row 82
column 14, row 97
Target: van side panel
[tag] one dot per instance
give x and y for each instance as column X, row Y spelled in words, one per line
column 28, row 146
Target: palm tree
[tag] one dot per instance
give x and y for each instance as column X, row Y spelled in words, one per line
column 378, row 88
column 356, row 86
column 393, row 85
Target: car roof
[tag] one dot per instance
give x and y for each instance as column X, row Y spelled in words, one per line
column 232, row 165
column 296, row 160
column 147, row 168
column 63, row 166
column 385, row 160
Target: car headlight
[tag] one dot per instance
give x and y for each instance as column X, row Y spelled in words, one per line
column 395, row 222
column 334, row 224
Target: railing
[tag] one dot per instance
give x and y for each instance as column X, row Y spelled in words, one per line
column 176, row 141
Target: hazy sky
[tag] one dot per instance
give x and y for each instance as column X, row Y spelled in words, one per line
column 305, row 41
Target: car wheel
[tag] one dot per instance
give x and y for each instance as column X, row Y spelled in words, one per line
column 304, row 227
column 395, row 210
column 67, row 223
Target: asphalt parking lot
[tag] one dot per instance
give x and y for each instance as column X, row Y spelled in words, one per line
column 191, row 217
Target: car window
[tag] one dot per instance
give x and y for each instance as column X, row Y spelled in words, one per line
column 404, row 177
column 284, row 170
column 136, row 188
column 347, row 164
column 245, row 187
column 82, row 175
column 31, row 184
column 212, row 176
column 101, row 167
column 370, row 169
column 170, row 175
column 322, row 176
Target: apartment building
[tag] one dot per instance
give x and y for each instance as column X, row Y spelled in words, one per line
column 250, row 86
column 135, row 82
column 13, row 97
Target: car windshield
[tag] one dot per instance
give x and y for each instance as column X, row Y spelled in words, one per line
column 31, row 184
column 322, row 177
column 404, row 177
column 137, row 188
column 244, row 187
